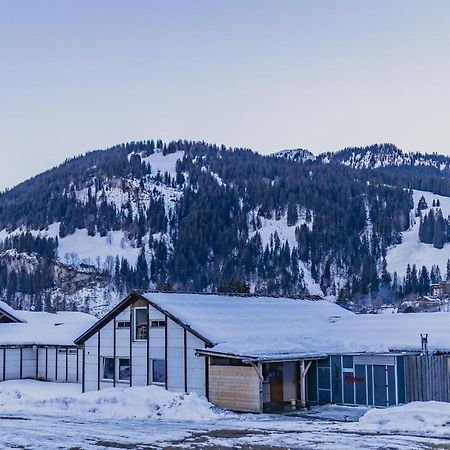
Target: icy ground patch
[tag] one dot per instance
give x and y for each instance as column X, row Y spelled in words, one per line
column 39, row 415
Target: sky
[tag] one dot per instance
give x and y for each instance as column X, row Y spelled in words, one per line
column 267, row 75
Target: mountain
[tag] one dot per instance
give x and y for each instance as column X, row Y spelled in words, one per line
column 384, row 156
column 298, row 155
column 198, row 217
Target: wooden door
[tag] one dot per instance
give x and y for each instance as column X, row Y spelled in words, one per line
column 276, row 382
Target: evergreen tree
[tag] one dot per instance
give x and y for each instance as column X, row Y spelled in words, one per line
column 424, row 281
column 142, row 271
column 422, row 204
column 439, row 237
column 292, row 213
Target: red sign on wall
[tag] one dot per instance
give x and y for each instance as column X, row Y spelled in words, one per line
column 353, row 379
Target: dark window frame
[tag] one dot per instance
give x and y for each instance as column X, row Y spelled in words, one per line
column 104, row 358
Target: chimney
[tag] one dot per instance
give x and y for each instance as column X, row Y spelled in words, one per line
column 424, row 338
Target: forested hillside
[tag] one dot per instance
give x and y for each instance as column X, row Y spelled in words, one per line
column 197, row 217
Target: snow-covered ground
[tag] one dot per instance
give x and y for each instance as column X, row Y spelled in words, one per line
column 37, row 415
column 164, row 163
column 411, row 250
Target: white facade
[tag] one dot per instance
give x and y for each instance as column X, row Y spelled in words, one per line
column 40, row 345
column 168, row 349
column 59, row 364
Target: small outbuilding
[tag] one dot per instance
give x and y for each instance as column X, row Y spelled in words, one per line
column 40, row 345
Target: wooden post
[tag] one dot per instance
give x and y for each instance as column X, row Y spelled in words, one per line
column 147, row 365
column 37, row 362
column 166, row 352
column 303, row 371
column 114, row 350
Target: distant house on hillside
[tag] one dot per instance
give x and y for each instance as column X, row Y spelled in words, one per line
column 441, row 290
column 424, row 303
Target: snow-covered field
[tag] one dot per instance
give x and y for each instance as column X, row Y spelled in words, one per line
column 411, row 250
column 38, row 415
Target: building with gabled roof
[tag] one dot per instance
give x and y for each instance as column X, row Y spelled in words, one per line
column 250, row 353
column 40, row 345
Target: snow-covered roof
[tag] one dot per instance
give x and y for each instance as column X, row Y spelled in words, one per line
column 254, row 326
column 43, row 328
column 269, row 328
column 9, row 312
column 266, row 327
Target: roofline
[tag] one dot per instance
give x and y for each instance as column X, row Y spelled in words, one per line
column 16, row 319
column 105, row 319
column 177, row 321
column 299, row 357
column 250, row 359
column 136, row 295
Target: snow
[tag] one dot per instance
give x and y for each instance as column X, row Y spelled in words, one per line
column 299, row 155
column 43, row 328
column 411, row 250
column 286, row 233
column 417, row 417
column 253, row 325
column 164, row 163
column 36, row 415
column 149, row 402
column 276, row 328
column 96, row 249
column 4, row 307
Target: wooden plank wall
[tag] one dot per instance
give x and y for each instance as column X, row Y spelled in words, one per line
column 427, row 378
column 235, row 387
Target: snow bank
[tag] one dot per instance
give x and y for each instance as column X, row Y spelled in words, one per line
column 150, row 402
column 417, row 417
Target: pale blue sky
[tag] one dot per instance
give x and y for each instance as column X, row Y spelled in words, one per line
column 322, row 75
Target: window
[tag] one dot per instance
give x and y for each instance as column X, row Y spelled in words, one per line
column 123, row 324
column 158, row 371
column 108, row 368
column 140, row 324
column 124, row 369
column 158, row 323
column 69, row 351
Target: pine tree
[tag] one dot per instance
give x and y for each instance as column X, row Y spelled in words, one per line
column 414, row 279
column 422, row 204
column 424, row 281
column 439, row 231
column 385, row 275
column 408, row 285
column 142, row 271
column 292, row 213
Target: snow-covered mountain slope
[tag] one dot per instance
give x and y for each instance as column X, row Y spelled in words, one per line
column 197, row 217
column 298, row 155
column 279, row 227
column 385, row 155
column 411, row 250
